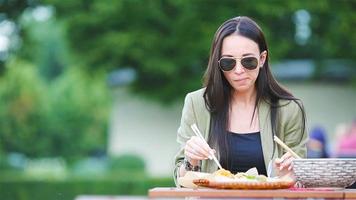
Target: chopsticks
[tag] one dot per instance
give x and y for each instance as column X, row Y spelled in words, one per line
column 197, row 133
column 279, row 141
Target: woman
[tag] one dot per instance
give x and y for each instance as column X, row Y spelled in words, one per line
column 240, row 108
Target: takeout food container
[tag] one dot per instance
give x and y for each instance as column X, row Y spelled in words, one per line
column 187, row 180
column 327, row 172
column 268, row 185
column 223, row 179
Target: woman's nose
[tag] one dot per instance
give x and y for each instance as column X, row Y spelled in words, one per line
column 239, row 68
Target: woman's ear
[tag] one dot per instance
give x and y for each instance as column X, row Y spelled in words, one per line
column 263, row 58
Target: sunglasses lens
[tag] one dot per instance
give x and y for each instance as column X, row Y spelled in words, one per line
column 249, row 62
column 227, row 64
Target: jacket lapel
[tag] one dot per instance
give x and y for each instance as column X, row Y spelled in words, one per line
column 265, row 131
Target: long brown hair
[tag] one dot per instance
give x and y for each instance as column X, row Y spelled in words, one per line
column 218, row 91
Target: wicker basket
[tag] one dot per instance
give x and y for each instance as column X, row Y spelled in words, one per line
column 325, row 172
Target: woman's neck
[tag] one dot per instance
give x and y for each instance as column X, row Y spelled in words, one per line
column 244, row 98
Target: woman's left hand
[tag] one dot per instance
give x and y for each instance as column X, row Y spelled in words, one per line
column 285, row 162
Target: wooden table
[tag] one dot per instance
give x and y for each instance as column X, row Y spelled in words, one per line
column 283, row 193
column 350, row 194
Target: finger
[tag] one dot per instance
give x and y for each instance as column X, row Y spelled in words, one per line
column 213, row 152
column 191, row 148
column 286, row 163
column 191, row 152
column 203, row 144
column 286, row 155
column 198, row 150
column 290, row 166
column 278, row 161
column 191, row 155
column 196, row 141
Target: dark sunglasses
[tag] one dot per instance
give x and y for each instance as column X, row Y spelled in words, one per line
column 229, row 63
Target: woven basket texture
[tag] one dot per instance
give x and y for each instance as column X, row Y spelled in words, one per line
column 325, row 172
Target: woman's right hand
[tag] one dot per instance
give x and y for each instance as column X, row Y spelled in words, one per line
column 197, row 149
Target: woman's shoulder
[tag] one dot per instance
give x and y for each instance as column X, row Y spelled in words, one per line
column 291, row 110
column 290, row 105
column 285, row 104
column 197, row 94
column 196, row 98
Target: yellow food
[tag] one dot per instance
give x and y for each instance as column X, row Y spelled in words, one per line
column 250, row 175
column 240, row 175
column 261, row 178
column 224, row 172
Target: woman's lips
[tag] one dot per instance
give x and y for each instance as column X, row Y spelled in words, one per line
column 241, row 79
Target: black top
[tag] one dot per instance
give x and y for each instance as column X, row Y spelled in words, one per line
column 245, row 152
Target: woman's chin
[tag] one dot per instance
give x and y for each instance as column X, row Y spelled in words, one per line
column 242, row 88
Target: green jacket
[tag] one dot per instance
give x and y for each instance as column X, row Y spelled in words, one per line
column 289, row 122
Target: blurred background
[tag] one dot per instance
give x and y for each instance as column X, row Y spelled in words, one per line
column 91, row 92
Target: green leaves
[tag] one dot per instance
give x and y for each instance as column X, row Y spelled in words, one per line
column 23, row 111
column 67, row 117
column 164, row 39
column 79, row 114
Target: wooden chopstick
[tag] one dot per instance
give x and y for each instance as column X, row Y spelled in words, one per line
column 279, row 141
column 197, row 133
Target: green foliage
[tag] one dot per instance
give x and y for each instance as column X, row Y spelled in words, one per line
column 44, row 45
column 167, row 41
column 65, row 118
column 69, row 189
column 14, row 8
column 79, row 114
column 23, row 110
column 127, row 163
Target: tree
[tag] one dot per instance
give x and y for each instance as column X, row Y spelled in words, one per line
column 167, row 41
column 11, row 10
column 66, row 118
column 23, row 109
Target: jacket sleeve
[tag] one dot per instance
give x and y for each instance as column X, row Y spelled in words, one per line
column 184, row 134
column 295, row 133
